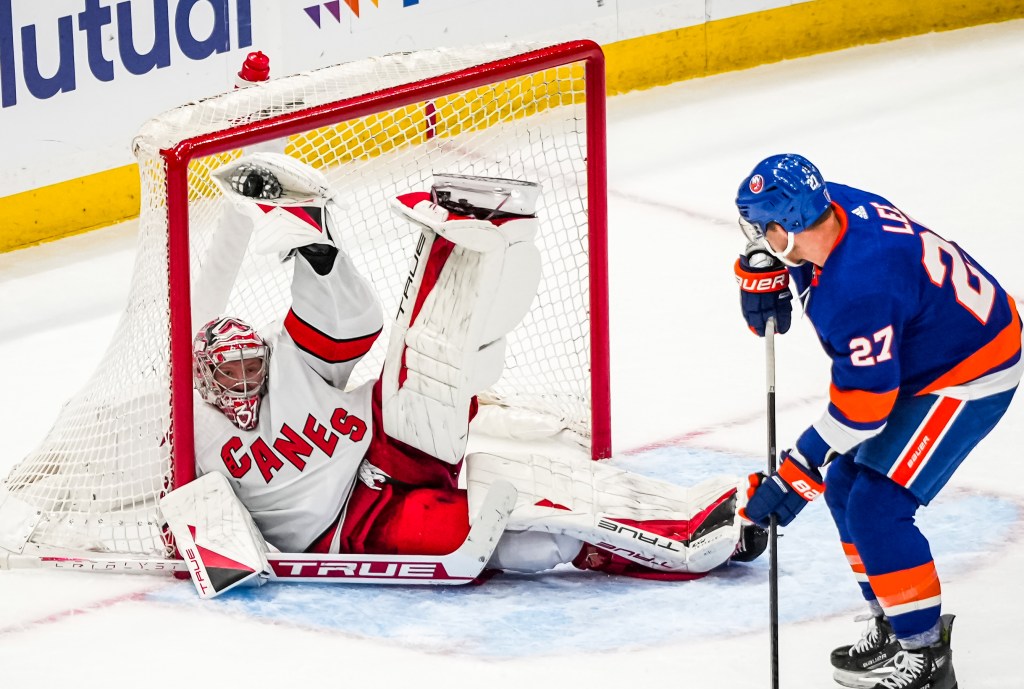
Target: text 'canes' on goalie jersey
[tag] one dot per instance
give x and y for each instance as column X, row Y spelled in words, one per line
column 295, row 470
column 901, row 312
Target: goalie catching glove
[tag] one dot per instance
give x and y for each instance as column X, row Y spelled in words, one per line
column 291, row 205
column 783, row 494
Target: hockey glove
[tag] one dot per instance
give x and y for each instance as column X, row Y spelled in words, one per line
column 764, row 290
column 289, row 203
column 783, row 494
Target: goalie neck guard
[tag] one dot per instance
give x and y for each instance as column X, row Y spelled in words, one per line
column 230, row 362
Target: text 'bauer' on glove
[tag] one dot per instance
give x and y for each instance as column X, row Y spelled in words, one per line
column 764, row 290
column 784, row 493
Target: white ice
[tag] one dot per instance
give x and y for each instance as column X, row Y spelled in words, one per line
column 933, row 122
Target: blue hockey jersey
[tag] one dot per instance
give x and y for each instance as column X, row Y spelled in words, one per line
column 900, row 311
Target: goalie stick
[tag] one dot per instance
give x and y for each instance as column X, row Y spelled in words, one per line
column 459, row 567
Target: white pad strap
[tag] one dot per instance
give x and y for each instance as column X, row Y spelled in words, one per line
column 215, row 535
column 608, row 507
column 453, row 346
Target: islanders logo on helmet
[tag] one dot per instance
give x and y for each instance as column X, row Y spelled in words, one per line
column 786, row 189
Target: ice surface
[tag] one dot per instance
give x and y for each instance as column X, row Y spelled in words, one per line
column 932, row 122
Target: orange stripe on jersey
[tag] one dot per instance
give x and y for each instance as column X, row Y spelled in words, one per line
column 906, row 586
column 844, row 223
column 861, row 406
column 853, row 557
column 324, row 347
column 1000, row 349
column 920, row 449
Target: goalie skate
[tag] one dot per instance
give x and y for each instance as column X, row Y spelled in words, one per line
column 485, row 198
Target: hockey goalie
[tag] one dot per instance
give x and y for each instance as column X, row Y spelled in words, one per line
column 314, row 467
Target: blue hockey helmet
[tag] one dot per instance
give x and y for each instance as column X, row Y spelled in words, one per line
column 786, row 189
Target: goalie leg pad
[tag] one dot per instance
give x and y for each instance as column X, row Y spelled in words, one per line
column 646, row 521
column 215, row 535
column 447, row 343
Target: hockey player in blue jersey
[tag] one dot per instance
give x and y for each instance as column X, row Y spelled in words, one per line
column 926, row 356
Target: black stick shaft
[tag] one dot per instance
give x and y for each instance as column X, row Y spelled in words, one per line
column 773, row 527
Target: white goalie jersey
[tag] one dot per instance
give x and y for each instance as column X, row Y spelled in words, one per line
column 295, row 470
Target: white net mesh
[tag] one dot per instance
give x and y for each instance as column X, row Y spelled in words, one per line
column 98, row 475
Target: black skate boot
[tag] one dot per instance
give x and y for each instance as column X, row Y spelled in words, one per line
column 930, row 667
column 862, row 665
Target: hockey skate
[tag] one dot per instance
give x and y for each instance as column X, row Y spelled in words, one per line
column 864, row 663
column 930, row 667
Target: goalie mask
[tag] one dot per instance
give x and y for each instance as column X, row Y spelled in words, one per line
column 230, row 363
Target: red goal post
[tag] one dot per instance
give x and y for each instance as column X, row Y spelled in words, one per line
column 376, row 128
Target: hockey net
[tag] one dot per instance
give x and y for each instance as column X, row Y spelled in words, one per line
column 376, row 128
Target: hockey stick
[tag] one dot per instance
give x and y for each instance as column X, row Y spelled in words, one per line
column 773, row 525
column 459, row 567
column 753, row 235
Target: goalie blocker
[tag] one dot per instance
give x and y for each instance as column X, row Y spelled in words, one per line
column 215, row 536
